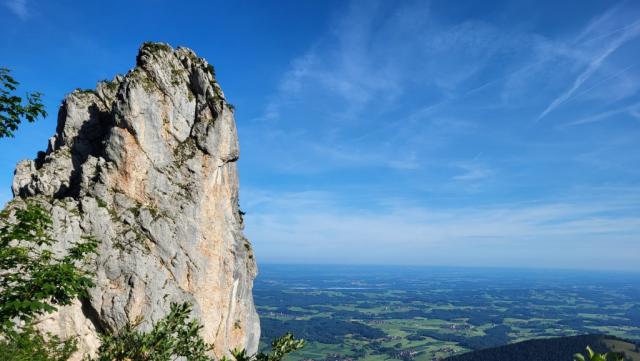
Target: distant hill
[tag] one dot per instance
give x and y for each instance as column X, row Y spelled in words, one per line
column 552, row 349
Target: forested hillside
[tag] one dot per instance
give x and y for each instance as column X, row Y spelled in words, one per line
column 551, row 349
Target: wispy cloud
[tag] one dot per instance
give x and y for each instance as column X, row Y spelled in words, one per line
column 377, row 51
column 631, row 110
column 346, row 96
column 325, row 227
column 388, row 109
column 18, row 7
column 615, row 75
column 629, row 33
column 389, row 86
column 473, row 171
column 350, row 157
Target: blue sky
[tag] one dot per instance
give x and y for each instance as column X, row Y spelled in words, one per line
column 476, row 133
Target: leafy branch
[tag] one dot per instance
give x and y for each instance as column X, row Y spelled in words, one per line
column 14, row 108
column 593, row 356
column 33, row 279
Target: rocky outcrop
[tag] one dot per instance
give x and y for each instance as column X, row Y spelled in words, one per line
column 146, row 164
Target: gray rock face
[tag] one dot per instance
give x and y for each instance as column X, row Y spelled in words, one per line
column 146, row 164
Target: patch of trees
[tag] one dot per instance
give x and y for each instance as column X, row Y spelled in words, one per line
column 633, row 314
column 477, row 317
column 552, row 349
column 300, row 299
column 319, row 329
column 495, row 336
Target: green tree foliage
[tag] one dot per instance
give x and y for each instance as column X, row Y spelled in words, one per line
column 593, row 356
column 33, row 279
column 280, row 347
column 14, row 108
column 176, row 336
column 324, row 330
column 171, row 337
column 30, row 345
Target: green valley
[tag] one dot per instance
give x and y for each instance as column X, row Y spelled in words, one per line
column 419, row 313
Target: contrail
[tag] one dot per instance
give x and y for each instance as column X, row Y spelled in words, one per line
column 632, row 109
column 635, row 23
column 593, row 66
column 613, row 76
column 595, row 24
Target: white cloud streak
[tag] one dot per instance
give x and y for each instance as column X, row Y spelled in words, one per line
column 410, row 99
column 631, row 32
column 18, row 7
column 473, row 171
column 631, row 110
column 320, row 227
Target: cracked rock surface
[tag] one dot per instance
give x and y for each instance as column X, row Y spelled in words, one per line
column 146, row 164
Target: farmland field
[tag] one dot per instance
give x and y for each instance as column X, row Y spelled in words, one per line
column 420, row 313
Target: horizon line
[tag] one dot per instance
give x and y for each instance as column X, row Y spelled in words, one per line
column 520, row 268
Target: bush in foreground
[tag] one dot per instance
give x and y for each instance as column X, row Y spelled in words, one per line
column 592, row 356
column 176, row 336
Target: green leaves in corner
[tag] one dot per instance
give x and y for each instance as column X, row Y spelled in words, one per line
column 31, row 345
column 592, row 356
column 280, row 347
column 33, row 279
column 14, row 108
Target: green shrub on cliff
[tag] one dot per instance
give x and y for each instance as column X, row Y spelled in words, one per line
column 173, row 336
column 176, row 336
column 34, row 281
column 30, row 345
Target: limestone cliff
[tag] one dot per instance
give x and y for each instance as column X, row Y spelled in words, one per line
column 146, row 164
